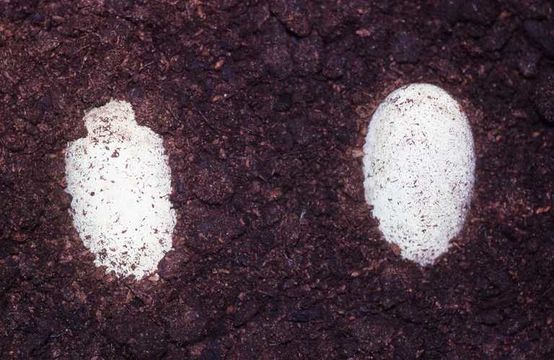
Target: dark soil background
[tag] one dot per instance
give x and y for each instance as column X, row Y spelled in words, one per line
column 263, row 107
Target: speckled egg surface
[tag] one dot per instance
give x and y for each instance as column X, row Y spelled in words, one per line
column 120, row 182
column 418, row 168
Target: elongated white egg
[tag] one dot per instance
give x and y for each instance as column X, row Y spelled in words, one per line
column 120, row 182
column 419, row 168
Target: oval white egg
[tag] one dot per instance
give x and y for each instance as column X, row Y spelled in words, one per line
column 120, row 182
column 418, row 168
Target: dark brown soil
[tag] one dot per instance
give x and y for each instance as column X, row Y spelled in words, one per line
column 263, row 107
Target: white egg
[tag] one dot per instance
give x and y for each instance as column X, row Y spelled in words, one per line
column 419, row 168
column 120, row 182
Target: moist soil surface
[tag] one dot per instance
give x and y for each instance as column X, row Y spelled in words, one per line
column 263, row 108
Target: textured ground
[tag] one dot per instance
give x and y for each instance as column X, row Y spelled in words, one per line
column 263, row 107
